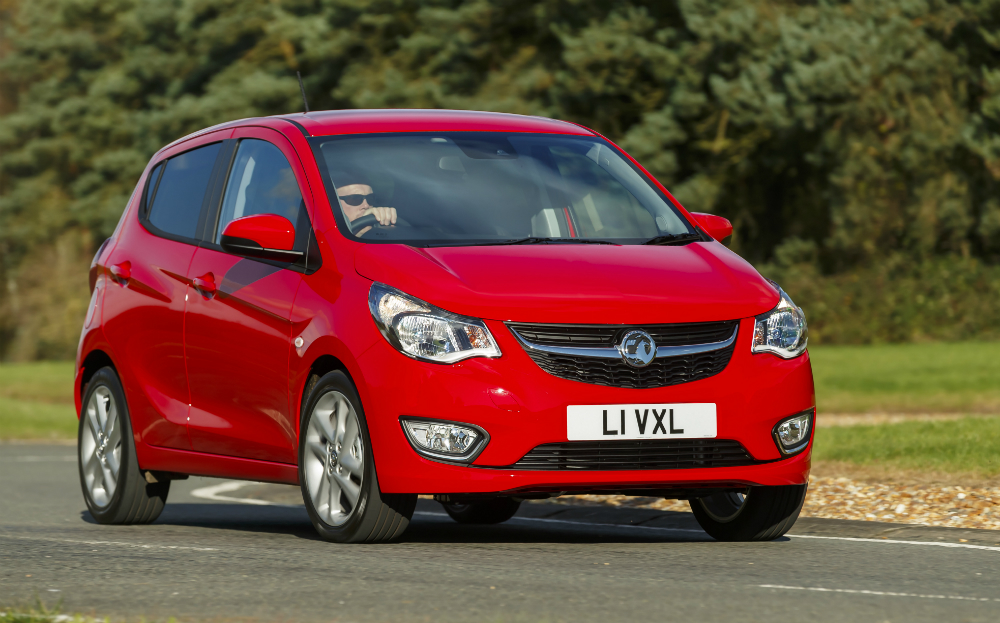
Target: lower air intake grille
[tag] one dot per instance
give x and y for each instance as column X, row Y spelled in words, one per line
column 636, row 455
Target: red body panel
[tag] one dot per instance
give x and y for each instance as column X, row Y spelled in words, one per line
column 231, row 352
column 202, row 464
column 576, row 283
column 237, row 359
column 144, row 321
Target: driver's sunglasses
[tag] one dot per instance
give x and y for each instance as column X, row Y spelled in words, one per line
column 354, row 200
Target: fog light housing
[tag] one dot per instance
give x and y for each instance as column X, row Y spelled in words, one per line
column 443, row 440
column 792, row 434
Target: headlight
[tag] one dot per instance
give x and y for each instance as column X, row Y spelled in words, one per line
column 422, row 331
column 782, row 330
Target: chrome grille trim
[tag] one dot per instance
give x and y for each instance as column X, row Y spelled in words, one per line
column 613, row 353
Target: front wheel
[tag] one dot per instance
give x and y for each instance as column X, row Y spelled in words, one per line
column 756, row 514
column 337, row 472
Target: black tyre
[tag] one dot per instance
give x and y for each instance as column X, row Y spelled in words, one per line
column 114, row 488
column 337, row 471
column 495, row 510
column 759, row 514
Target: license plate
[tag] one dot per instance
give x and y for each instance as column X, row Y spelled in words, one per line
column 659, row 421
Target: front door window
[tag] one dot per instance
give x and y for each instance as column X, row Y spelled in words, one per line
column 261, row 182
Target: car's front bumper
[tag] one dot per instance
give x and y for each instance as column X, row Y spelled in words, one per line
column 751, row 395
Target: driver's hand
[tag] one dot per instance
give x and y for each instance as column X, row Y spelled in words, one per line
column 385, row 216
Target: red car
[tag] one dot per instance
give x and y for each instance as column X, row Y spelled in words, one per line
column 481, row 307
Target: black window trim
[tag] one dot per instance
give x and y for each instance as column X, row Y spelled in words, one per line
column 209, row 220
column 158, row 171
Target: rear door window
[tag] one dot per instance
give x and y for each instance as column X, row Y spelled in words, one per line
column 176, row 201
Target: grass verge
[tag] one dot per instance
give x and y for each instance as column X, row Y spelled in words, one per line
column 21, row 419
column 908, row 378
column 967, row 446
column 25, row 616
column 36, row 401
column 38, row 613
column 38, row 381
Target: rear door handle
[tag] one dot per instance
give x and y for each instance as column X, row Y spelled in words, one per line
column 122, row 272
column 205, row 284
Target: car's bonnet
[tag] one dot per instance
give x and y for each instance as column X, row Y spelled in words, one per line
column 575, row 283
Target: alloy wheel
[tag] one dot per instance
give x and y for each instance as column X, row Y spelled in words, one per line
column 334, row 458
column 101, row 447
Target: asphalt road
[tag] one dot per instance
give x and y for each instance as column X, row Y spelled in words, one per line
column 213, row 557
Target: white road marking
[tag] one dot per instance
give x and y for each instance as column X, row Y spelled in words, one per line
column 898, row 542
column 212, row 493
column 881, row 593
column 118, row 543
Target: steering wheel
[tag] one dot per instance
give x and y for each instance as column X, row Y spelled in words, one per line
column 368, row 220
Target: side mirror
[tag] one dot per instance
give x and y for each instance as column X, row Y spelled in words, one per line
column 716, row 226
column 264, row 236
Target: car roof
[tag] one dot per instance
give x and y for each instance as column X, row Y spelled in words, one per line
column 330, row 122
column 355, row 121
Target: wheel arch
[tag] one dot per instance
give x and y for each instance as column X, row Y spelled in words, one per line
column 94, row 361
column 324, row 364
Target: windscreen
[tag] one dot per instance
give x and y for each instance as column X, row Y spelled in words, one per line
column 466, row 188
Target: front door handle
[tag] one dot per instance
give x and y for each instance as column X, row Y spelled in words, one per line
column 122, row 272
column 205, row 284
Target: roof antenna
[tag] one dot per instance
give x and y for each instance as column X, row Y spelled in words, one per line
column 305, row 102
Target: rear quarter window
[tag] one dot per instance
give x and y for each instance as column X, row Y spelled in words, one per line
column 175, row 200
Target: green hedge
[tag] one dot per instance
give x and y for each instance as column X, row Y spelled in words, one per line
column 948, row 299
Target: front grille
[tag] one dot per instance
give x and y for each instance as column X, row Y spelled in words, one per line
column 607, row 336
column 661, row 372
column 636, row 455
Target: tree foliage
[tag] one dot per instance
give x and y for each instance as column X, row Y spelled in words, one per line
column 839, row 136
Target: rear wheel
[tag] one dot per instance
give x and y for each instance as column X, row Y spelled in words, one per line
column 114, row 488
column 496, row 510
column 337, row 472
column 757, row 514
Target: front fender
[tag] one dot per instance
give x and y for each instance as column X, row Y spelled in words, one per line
column 331, row 317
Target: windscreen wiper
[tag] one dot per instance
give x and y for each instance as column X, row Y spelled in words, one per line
column 667, row 239
column 543, row 240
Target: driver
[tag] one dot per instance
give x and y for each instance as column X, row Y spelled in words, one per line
column 353, row 191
